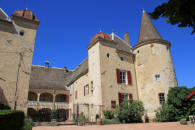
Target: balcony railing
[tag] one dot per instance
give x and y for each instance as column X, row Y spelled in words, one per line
column 49, row 104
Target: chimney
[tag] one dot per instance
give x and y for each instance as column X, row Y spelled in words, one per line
column 126, row 37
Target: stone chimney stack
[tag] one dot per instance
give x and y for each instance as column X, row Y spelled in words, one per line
column 126, row 37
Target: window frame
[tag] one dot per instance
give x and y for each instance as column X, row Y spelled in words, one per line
column 161, row 97
column 123, row 77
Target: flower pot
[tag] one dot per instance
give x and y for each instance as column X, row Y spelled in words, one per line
column 99, row 122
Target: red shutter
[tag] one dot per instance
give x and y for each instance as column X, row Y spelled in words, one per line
column 129, row 77
column 131, row 96
column 118, row 76
column 84, row 90
column 67, row 98
column 119, row 98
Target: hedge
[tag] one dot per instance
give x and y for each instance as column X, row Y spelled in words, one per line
column 111, row 121
column 11, row 120
column 4, row 106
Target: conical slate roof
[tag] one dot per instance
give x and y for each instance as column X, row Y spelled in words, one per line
column 147, row 29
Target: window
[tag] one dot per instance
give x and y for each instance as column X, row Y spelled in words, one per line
column 86, row 90
column 113, row 104
column 76, row 95
column 21, row 33
column 121, row 58
column 108, row 55
column 161, row 97
column 124, row 96
column 157, row 77
column 123, row 76
column 138, row 51
column 92, row 87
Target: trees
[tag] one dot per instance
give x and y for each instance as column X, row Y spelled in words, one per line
column 181, row 12
column 177, row 105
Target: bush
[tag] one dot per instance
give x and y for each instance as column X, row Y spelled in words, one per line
column 4, row 106
column 27, row 124
column 82, row 118
column 108, row 114
column 130, row 111
column 177, row 106
column 11, row 120
column 165, row 113
column 111, row 121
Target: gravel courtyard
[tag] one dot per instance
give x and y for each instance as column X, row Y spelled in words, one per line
column 147, row 126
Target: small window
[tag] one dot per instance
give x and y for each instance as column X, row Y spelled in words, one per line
column 86, row 90
column 113, row 104
column 108, row 55
column 138, row 51
column 123, row 76
column 76, row 95
column 21, row 33
column 92, row 87
column 157, row 77
column 124, row 96
column 121, row 58
column 161, row 97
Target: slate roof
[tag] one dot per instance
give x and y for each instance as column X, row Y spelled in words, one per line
column 147, row 30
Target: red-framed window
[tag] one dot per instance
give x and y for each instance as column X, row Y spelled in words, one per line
column 113, row 104
column 124, row 77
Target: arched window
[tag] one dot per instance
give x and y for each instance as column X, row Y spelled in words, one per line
column 32, row 96
column 46, row 97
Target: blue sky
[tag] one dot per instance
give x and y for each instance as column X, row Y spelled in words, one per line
column 68, row 25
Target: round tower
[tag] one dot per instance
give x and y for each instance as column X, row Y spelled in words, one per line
column 154, row 67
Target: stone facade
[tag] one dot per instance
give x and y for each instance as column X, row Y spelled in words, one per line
column 112, row 72
column 17, row 38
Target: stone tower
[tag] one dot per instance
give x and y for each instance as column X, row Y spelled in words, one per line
column 17, row 38
column 154, row 66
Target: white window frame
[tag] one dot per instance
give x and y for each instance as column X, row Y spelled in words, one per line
column 157, row 77
column 123, row 77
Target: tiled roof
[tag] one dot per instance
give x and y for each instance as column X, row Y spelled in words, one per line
column 147, row 30
column 26, row 14
column 101, row 35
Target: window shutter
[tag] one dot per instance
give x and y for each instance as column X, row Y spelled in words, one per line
column 67, row 98
column 131, row 96
column 118, row 76
column 84, row 90
column 129, row 77
column 119, row 98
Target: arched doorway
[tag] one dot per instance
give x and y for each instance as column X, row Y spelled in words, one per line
column 44, row 114
column 33, row 114
column 61, row 115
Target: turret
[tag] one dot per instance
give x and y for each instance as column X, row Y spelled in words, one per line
column 154, row 67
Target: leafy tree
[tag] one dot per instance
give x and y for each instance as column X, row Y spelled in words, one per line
column 181, row 12
column 130, row 111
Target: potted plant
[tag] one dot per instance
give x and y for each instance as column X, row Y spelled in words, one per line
column 81, row 119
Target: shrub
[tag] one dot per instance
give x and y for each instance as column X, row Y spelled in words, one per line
column 165, row 113
column 4, row 106
column 111, row 121
column 82, row 118
column 11, row 120
column 108, row 114
column 130, row 111
column 27, row 124
column 177, row 106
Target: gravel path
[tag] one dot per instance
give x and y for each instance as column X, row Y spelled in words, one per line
column 141, row 126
